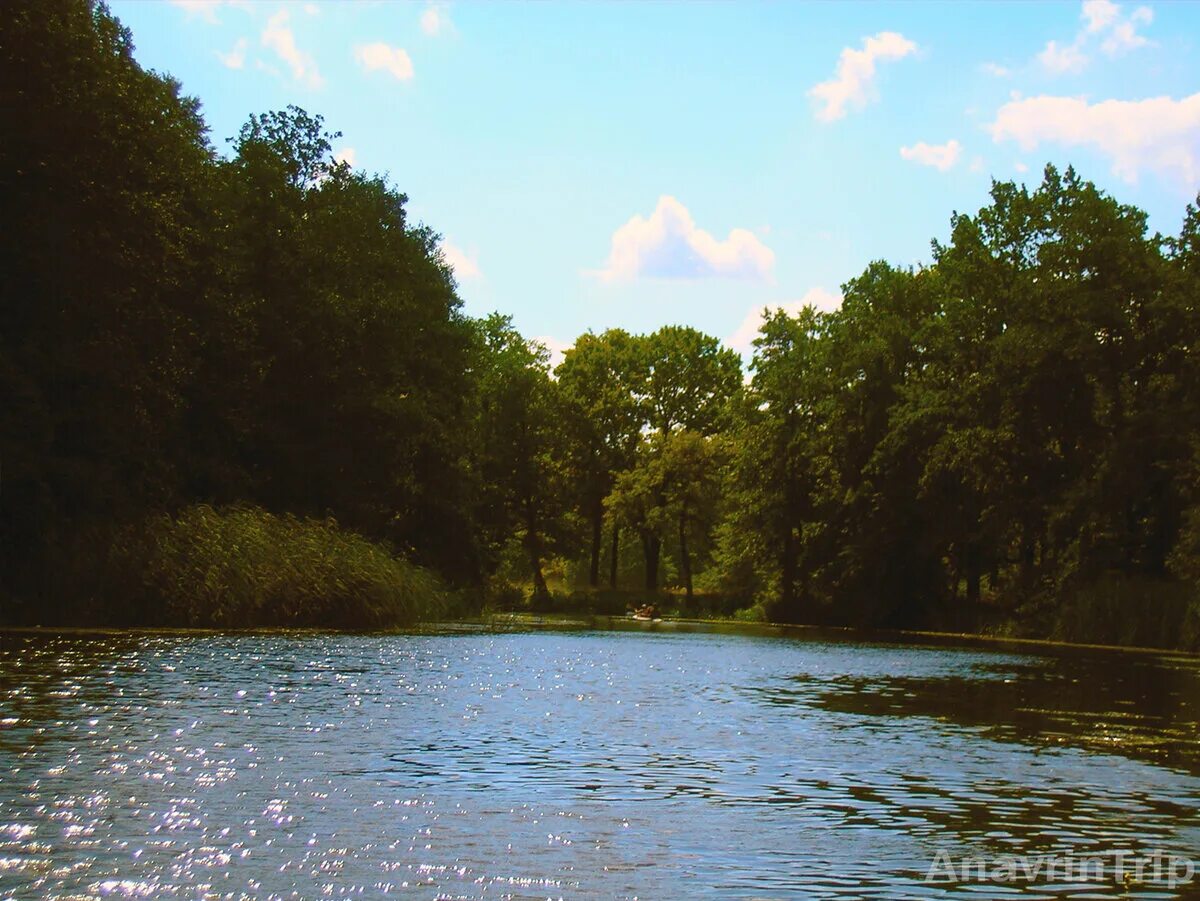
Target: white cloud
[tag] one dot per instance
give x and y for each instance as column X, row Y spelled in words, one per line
column 235, row 58
column 996, row 70
column 1020, row 167
column 347, row 155
column 1103, row 21
column 555, row 347
column 311, row 8
column 1099, row 14
column 976, row 164
column 465, row 265
column 854, row 80
column 742, row 338
column 1159, row 134
column 670, row 245
column 1124, row 36
column 207, row 9
column 204, row 9
column 940, row 156
column 1060, row 59
column 278, row 37
column 379, row 56
column 435, row 20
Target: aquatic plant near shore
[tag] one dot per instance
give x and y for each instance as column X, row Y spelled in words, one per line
column 245, row 567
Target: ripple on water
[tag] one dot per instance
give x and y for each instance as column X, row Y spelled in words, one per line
column 573, row 765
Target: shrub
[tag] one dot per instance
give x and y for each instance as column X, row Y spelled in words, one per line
column 245, row 567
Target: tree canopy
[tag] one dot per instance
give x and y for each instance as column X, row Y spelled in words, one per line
column 1006, row 438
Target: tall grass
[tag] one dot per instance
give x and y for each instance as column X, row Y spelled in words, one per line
column 245, row 567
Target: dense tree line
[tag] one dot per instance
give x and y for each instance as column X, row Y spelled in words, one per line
column 1008, row 437
column 1021, row 415
column 179, row 326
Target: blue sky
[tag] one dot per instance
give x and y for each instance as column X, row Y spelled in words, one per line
column 635, row 164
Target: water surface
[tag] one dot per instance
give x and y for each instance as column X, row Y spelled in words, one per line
column 578, row 765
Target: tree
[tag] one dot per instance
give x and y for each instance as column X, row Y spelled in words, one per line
column 598, row 379
column 180, row 328
column 104, row 194
column 780, row 466
column 521, row 447
column 359, row 349
column 1055, row 297
column 693, row 475
column 691, row 380
column 671, row 492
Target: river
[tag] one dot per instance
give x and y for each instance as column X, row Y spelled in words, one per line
column 587, row 764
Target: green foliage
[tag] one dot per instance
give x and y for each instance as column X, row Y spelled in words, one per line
column 1011, row 434
column 105, row 175
column 356, row 357
column 244, row 567
column 690, row 379
column 521, row 448
column 782, row 470
column 599, row 381
column 1126, row 610
column 1020, row 414
column 293, row 143
column 671, row 492
column 180, row 328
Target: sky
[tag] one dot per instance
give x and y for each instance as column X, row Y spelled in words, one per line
column 592, row 165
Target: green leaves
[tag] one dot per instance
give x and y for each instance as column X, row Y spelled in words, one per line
column 180, row 328
column 1011, row 424
column 690, row 379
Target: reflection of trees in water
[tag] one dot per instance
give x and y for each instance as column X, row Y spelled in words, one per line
column 1146, row 708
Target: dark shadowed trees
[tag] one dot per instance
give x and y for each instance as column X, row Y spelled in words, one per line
column 105, row 175
column 521, row 448
column 600, row 379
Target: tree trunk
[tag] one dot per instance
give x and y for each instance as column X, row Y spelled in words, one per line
column 1028, row 552
column 612, row 563
column 685, row 559
column 974, row 572
column 533, row 546
column 802, row 600
column 787, row 588
column 651, row 545
column 973, row 583
column 539, row 581
column 597, row 535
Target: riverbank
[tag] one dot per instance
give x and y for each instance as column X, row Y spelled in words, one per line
column 564, row 622
column 847, row 634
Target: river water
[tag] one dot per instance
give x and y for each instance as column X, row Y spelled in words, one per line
column 554, row 764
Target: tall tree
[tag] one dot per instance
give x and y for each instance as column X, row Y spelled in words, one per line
column 521, row 443
column 780, row 466
column 598, row 379
column 360, row 349
column 691, row 381
column 104, row 194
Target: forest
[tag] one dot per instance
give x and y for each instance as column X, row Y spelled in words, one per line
column 239, row 389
